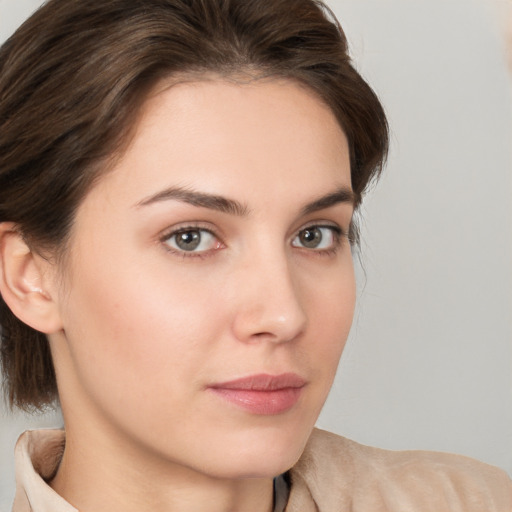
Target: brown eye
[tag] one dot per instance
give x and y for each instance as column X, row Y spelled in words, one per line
column 317, row 237
column 191, row 240
column 188, row 240
column 310, row 238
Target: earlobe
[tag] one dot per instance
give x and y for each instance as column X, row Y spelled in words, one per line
column 22, row 282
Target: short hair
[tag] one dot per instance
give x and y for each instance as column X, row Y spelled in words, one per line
column 73, row 79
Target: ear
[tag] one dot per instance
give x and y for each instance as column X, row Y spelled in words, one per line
column 25, row 282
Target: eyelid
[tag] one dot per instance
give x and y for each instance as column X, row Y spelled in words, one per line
column 323, row 224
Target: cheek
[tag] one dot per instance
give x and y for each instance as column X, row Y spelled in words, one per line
column 139, row 327
column 330, row 301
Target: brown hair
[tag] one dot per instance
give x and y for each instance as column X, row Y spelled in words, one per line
column 74, row 77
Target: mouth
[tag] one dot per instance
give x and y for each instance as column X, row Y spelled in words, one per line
column 262, row 394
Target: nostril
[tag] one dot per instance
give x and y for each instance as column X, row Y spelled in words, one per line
column 263, row 336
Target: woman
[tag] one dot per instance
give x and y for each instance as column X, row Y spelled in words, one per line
column 177, row 187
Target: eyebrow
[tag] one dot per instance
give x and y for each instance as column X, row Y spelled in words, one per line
column 342, row 195
column 200, row 199
column 233, row 207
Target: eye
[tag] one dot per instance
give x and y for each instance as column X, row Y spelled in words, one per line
column 318, row 237
column 192, row 240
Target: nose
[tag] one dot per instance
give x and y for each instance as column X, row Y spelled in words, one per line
column 268, row 301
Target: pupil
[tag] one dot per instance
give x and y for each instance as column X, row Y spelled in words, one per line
column 188, row 240
column 311, row 238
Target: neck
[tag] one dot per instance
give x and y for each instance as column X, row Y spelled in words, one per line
column 99, row 475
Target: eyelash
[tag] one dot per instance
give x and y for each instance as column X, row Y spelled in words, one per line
column 338, row 234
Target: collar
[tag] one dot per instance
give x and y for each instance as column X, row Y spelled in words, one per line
column 37, row 456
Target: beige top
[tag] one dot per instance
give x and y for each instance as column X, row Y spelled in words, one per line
column 334, row 474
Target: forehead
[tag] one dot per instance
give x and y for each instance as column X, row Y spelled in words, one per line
column 238, row 137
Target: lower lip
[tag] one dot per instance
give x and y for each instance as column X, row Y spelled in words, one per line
column 261, row 402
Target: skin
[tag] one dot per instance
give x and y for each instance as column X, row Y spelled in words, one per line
column 144, row 327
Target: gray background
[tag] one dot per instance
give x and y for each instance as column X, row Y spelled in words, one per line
column 429, row 361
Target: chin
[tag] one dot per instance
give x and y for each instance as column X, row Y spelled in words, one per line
column 260, row 454
column 264, row 465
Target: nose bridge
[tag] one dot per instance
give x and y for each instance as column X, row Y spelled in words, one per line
column 269, row 303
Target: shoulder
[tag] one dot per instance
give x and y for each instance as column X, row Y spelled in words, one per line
column 335, row 472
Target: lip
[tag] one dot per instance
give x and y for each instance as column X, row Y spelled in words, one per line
column 262, row 394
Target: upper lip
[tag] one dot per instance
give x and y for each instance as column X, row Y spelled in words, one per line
column 263, row 382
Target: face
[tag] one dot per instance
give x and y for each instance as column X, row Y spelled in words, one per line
column 209, row 288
